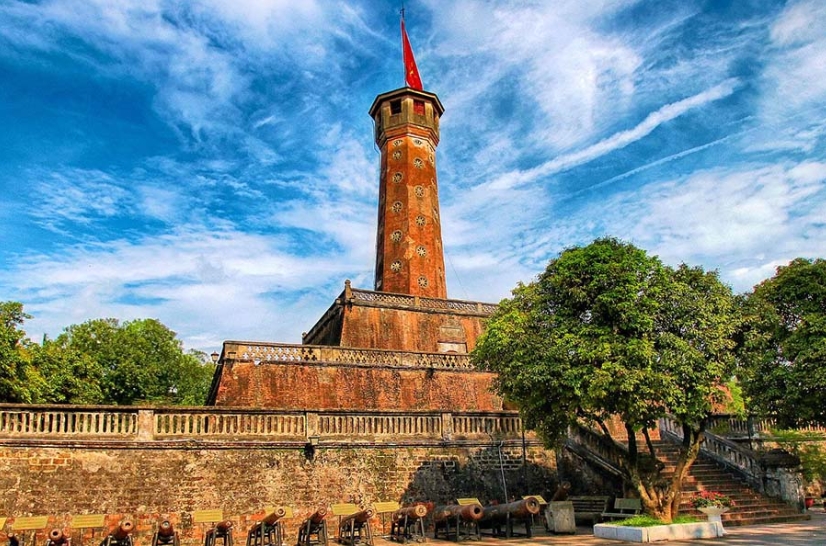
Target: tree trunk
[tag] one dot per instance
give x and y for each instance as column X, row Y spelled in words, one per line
column 663, row 503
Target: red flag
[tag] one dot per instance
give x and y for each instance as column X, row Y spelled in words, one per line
column 411, row 72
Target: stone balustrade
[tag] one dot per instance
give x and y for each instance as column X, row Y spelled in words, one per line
column 103, row 424
column 405, row 300
column 597, row 449
column 779, row 478
column 734, row 426
column 722, row 450
column 262, row 353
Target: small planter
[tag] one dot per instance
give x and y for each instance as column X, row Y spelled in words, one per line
column 657, row 533
column 714, row 513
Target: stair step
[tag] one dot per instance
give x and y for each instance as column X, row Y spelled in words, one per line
column 706, row 475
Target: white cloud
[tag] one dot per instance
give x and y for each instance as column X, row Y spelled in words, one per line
column 793, row 83
column 743, row 220
column 76, row 196
column 617, row 140
column 204, row 284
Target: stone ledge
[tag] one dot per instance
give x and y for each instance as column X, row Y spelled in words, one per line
column 657, row 533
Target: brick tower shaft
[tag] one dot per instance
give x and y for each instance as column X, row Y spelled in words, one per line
column 409, row 254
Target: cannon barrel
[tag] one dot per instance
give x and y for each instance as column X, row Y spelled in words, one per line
column 359, row 517
column 223, row 526
column 165, row 529
column 318, row 516
column 123, row 530
column 410, row 512
column 57, row 537
column 274, row 516
column 520, row 509
column 467, row 512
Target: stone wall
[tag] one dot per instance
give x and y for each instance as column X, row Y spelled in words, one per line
column 299, row 377
column 143, row 474
column 425, row 330
column 400, row 322
column 292, row 386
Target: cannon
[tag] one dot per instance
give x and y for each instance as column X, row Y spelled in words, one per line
column 120, row 535
column 221, row 530
column 58, row 538
column 314, row 529
column 165, row 535
column 355, row 528
column 268, row 531
column 460, row 521
column 407, row 523
column 497, row 515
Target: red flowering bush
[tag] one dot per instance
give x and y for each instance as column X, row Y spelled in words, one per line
column 704, row 499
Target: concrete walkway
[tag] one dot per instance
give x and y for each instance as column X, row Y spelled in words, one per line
column 803, row 533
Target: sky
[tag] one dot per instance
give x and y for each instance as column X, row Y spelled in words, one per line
column 210, row 163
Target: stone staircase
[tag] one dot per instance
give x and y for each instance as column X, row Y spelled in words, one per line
column 751, row 507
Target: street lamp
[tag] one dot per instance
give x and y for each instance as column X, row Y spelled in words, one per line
column 214, row 356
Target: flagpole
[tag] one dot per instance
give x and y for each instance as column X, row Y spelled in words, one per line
column 401, row 38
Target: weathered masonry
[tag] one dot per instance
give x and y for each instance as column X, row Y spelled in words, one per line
column 142, row 463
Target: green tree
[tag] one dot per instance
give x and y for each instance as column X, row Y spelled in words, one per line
column 609, row 331
column 66, row 375
column 783, row 344
column 99, row 362
column 15, row 354
column 141, row 361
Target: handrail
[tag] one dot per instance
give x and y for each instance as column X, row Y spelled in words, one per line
column 734, row 426
column 596, row 448
column 475, row 307
column 725, row 452
column 148, row 424
column 264, row 352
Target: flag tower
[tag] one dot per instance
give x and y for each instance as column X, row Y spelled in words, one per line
column 409, row 253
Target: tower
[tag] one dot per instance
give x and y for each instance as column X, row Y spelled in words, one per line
column 409, row 253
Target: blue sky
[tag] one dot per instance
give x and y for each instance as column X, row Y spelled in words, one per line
column 211, row 164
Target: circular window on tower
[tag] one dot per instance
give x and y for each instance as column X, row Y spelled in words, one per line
column 417, row 141
column 419, row 191
column 397, row 177
column 397, row 142
column 421, row 251
column 397, row 206
column 423, row 281
column 396, row 266
column 396, row 236
column 397, row 155
column 420, row 220
column 418, row 163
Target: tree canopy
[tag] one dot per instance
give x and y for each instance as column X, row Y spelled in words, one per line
column 100, row 361
column 609, row 331
column 783, row 344
column 14, row 353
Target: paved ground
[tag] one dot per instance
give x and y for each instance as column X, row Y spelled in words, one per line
column 804, row 533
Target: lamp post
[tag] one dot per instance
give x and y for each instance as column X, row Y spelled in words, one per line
column 214, row 356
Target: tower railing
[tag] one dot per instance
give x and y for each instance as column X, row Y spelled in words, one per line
column 262, row 353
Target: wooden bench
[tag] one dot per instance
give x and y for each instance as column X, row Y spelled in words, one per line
column 589, row 508
column 624, row 508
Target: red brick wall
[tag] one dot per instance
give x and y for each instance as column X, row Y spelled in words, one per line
column 300, row 387
column 144, row 483
column 406, row 330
